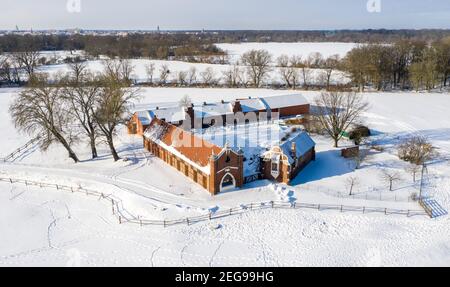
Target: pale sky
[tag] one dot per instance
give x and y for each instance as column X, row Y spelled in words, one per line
column 224, row 14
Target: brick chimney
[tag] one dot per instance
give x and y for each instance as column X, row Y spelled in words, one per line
column 191, row 115
column 294, row 150
column 237, row 107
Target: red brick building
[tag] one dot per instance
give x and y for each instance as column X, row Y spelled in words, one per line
column 209, row 113
column 214, row 168
column 215, row 165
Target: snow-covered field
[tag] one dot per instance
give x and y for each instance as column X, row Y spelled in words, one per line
column 42, row 226
column 303, row 49
column 139, row 74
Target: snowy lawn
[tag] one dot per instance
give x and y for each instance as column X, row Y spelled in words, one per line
column 303, row 49
column 151, row 189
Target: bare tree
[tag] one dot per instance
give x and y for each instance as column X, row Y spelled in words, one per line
column 163, row 74
column 112, row 106
column 416, row 150
column 192, row 75
column 390, row 177
column 119, row 70
column 338, row 110
column 285, row 70
column 150, row 69
column 40, row 110
column 258, row 65
column 233, row 76
column 27, row 60
column 182, row 78
column 413, row 169
column 5, row 70
column 315, row 60
column 209, row 77
column 306, row 71
column 352, row 182
column 330, row 65
column 81, row 91
column 185, row 101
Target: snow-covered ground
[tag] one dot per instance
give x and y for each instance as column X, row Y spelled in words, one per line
column 140, row 71
column 41, row 226
column 303, row 49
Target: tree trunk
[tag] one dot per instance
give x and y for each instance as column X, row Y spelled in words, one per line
column 336, row 142
column 114, row 153
column 93, row 147
column 66, row 145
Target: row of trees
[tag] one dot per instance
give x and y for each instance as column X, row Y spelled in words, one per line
column 77, row 106
column 252, row 70
column 13, row 65
column 403, row 65
column 156, row 46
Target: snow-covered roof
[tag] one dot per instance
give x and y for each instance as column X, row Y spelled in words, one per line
column 213, row 109
column 185, row 145
column 144, row 117
column 169, row 114
column 252, row 139
column 252, row 105
column 303, row 144
column 284, row 101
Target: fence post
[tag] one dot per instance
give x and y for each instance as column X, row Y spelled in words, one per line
column 209, row 216
column 57, row 187
column 187, row 220
column 120, row 219
column 364, row 209
column 408, row 213
column 10, row 180
column 164, row 222
column 385, row 211
column 271, row 203
column 318, row 207
column 231, row 211
column 342, row 207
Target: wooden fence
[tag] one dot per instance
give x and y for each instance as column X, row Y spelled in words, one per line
column 20, row 150
column 123, row 216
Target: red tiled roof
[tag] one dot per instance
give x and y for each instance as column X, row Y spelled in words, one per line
column 192, row 147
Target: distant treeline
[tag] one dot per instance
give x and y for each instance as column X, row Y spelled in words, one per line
column 161, row 45
column 157, row 46
column 349, row 36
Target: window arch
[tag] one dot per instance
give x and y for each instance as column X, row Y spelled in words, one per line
column 228, row 182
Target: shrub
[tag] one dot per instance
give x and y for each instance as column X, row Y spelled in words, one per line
column 417, row 150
